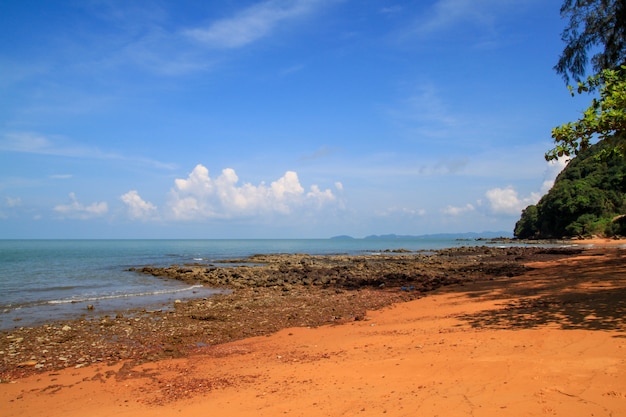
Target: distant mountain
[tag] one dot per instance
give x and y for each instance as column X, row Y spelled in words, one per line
column 342, row 237
column 468, row 235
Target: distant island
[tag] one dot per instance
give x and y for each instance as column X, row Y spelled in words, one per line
column 459, row 236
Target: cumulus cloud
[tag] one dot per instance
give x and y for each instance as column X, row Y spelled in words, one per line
column 507, row 200
column 78, row 210
column 137, row 207
column 455, row 211
column 253, row 23
column 200, row 196
column 321, row 197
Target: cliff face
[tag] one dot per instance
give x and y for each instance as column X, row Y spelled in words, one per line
column 588, row 198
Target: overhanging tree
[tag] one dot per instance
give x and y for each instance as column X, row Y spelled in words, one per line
column 604, row 119
column 598, row 27
column 594, row 25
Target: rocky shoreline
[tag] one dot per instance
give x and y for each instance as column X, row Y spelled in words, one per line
column 266, row 293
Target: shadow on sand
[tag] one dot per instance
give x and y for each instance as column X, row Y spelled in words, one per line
column 586, row 293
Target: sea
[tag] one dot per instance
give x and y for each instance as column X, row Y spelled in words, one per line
column 50, row 280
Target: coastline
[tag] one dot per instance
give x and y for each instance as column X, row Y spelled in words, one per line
column 601, row 242
column 262, row 294
column 384, row 330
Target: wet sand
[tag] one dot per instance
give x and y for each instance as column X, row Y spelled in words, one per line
column 551, row 341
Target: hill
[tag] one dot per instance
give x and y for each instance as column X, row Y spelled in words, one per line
column 588, row 198
column 468, row 235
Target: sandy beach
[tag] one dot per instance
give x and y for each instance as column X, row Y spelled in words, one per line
column 550, row 341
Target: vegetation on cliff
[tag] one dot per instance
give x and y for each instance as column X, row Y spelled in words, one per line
column 588, row 198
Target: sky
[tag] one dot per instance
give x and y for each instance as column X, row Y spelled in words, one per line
column 276, row 118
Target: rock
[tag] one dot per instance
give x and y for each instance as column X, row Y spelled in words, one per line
column 66, row 328
column 27, row 364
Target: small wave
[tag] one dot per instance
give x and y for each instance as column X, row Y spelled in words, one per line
column 57, row 288
column 117, row 296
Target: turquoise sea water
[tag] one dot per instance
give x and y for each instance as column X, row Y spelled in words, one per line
column 44, row 280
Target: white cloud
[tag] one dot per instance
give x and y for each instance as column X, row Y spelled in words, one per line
column 425, row 113
column 13, row 202
column 449, row 14
column 252, row 23
column 507, row 201
column 401, row 211
column 289, row 183
column 198, row 183
column 10, row 203
column 292, row 69
column 137, row 207
column 27, row 142
column 56, row 145
column 78, row 210
column 552, row 171
column 321, row 197
column 164, row 53
column 456, row 211
column 200, row 196
column 426, row 105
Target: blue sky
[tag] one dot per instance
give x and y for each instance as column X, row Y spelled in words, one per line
column 277, row 118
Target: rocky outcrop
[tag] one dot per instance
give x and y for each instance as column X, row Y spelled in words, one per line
column 417, row 271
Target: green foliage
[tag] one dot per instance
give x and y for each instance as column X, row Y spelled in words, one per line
column 586, row 199
column 526, row 227
column 605, row 118
column 594, row 25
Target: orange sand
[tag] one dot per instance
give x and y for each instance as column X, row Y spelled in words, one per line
column 458, row 352
column 600, row 242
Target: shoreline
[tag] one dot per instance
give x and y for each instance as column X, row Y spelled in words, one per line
column 31, row 312
column 602, row 242
column 340, row 287
column 556, row 294
column 279, row 291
